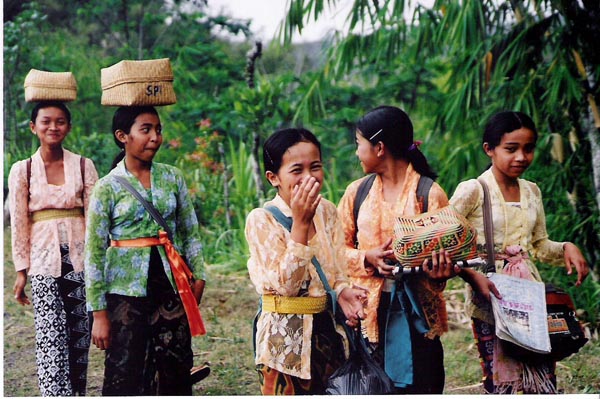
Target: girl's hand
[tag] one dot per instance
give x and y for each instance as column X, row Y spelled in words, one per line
column 101, row 330
column 442, row 267
column 198, row 289
column 19, row 288
column 352, row 301
column 376, row 258
column 304, row 202
column 574, row 257
column 480, row 283
column 305, row 199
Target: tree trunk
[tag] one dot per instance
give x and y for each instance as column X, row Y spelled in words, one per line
column 260, row 188
column 590, row 126
column 252, row 56
column 225, row 186
column 592, row 131
column 591, row 123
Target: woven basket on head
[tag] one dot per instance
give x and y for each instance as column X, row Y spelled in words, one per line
column 50, row 86
column 417, row 236
column 148, row 82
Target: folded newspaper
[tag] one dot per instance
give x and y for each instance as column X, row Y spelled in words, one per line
column 520, row 315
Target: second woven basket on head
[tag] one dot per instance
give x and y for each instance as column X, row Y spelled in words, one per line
column 415, row 237
column 50, row 86
column 146, row 82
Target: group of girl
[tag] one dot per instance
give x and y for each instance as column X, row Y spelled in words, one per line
column 303, row 250
column 297, row 346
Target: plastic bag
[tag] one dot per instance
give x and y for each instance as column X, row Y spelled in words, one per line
column 360, row 374
column 520, row 316
column 566, row 334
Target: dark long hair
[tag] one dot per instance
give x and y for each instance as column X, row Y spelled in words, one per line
column 505, row 122
column 47, row 104
column 393, row 127
column 123, row 119
column 280, row 141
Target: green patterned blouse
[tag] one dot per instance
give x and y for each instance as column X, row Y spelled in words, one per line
column 115, row 214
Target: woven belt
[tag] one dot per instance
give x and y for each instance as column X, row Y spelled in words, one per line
column 294, row 304
column 49, row 214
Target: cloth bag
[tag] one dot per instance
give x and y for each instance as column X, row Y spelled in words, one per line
column 417, row 236
column 564, row 329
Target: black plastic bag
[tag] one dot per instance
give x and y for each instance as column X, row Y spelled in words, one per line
column 360, row 374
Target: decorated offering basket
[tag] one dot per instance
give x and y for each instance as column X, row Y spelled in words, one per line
column 415, row 237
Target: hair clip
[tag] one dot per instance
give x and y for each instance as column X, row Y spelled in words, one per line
column 519, row 119
column 371, row 138
column 269, row 155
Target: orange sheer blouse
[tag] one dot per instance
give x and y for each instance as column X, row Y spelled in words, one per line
column 375, row 225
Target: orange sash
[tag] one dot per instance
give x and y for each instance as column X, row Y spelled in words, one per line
column 181, row 273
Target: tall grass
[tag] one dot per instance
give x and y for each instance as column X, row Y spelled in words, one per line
column 225, row 244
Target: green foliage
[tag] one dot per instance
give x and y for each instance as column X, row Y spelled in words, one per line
column 451, row 66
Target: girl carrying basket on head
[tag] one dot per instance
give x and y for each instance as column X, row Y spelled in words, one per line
column 48, row 198
column 139, row 317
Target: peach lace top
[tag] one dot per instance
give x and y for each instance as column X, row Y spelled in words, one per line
column 280, row 266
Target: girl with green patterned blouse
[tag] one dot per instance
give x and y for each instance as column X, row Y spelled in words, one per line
column 139, row 319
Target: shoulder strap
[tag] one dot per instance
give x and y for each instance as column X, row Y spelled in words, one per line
column 423, row 188
column 361, row 194
column 82, row 167
column 287, row 223
column 149, row 207
column 488, row 227
column 280, row 217
column 28, row 163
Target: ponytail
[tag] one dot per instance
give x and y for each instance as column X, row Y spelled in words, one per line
column 420, row 164
column 118, row 159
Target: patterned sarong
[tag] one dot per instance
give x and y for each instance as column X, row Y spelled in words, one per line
column 62, row 333
column 536, row 378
